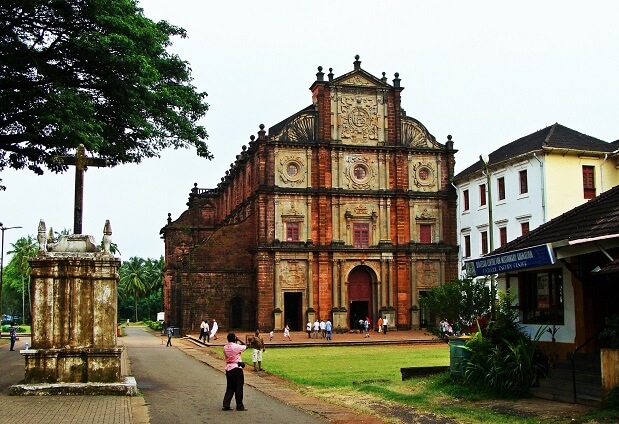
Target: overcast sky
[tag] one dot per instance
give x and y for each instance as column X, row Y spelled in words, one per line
column 486, row 72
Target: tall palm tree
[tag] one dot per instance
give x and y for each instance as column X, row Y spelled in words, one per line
column 154, row 271
column 134, row 280
column 23, row 249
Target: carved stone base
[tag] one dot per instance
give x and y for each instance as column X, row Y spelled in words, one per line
column 73, row 365
column 278, row 319
column 339, row 319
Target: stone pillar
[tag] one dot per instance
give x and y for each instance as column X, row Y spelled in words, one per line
column 74, row 313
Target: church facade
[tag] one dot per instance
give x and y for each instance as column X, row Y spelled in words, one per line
column 341, row 211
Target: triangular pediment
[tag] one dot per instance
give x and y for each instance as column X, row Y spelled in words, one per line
column 360, row 78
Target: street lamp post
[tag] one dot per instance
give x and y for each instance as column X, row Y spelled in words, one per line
column 485, row 159
column 3, row 229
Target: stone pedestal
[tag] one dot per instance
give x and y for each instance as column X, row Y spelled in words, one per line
column 74, row 314
column 340, row 322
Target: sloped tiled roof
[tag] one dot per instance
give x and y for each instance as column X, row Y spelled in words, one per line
column 598, row 217
column 556, row 136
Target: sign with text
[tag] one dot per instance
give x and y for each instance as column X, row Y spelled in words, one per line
column 511, row 261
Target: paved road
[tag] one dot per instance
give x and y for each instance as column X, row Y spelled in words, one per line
column 179, row 389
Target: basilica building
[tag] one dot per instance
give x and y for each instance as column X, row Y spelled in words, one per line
column 343, row 210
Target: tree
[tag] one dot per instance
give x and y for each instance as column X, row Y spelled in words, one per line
column 460, row 301
column 134, row 280
column 23, row 249
column 95, row 73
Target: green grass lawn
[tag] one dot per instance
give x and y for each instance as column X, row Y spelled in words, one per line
column 347, row 374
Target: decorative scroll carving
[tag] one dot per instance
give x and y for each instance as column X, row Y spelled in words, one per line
column 414, row 134
column 360, row 172
column 358, row 80
column 424, row 175
column 293, row 274
column 300, row 127
column 427, row 272
column 426, row 215
column 359, row 123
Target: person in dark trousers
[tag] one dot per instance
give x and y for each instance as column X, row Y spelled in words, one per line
column 170, row 332
column 13, row 337
column 234, row 373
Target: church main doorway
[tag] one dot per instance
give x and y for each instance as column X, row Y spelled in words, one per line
column 359, row 296
column 293, row 310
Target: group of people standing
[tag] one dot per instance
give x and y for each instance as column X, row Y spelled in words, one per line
column 206, row 331
column 324, row 328
column 366, row 324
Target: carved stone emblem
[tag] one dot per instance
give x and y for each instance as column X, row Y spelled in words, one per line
column 424, row 175
column 359, row 172
column 359, row 118
column 292, row 170
column 292, row 275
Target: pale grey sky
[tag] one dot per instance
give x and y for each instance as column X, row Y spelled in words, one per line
column 486, row 72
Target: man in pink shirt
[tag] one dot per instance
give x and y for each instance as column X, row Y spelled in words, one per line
column 234, row 372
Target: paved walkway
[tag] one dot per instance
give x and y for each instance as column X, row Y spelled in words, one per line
column 152, row 407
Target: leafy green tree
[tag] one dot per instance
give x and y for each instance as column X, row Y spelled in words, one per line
column 134, row 280
column 23, row 249
column 96, row 73
column 460, row 301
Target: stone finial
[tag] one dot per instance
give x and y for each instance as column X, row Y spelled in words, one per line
column 41, row 237
column 396, row 80
column 262, row 133
column 169, row 218
column 320, row 76
column 357, row 63
column 107, row 236
column 384, row 78
column 330, row 74
column 50, row 236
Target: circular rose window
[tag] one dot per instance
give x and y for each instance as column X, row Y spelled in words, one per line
column 424, row 174
column 360, row 172
column 292, row 169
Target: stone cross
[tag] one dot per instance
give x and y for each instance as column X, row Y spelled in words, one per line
column 81, row 163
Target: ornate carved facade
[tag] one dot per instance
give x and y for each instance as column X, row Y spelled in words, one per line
column 343, row 210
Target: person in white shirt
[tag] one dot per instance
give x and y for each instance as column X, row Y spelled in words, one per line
column 316, row 328
column 308, row 328
column 214, row 329
column 323, row 331
column 385, row 324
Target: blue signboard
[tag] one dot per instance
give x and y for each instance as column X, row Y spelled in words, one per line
column 511, row 261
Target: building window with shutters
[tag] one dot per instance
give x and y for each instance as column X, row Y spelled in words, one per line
column 524, row 228
column 361, row 234
column 503, row 235
column 524, row 182
column 467, row 246
column 484, row 242
column 425, row 233
column 292, row 231
column 482, row 195
column 501, row 188
column 465, row 200
column 588, row 181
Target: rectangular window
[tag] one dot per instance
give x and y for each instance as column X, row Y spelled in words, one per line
column 524, row 182
column 588, row 182
column 361, row 234
column 465, row 200
column 503, row 235
column 467, row 246
column 524, row 228
column 541, row 297
column 425, row 233
column 482, row 194
column 501, row 188
column 484, row 242
column 292, row 231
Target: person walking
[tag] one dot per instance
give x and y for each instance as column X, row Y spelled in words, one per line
column 170, row 332
column 328, row 329
column 287, row 332
column 202, row 331
column 235, row 379
column 323, row 331
column 308, row 328
column 13, row 332
column 214, row 329
column 258, row 345
column 366, row 327
column 385, row 324
column 316, row 328
column 379, row 323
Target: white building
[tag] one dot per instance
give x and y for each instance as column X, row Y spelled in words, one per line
column 532, row 180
